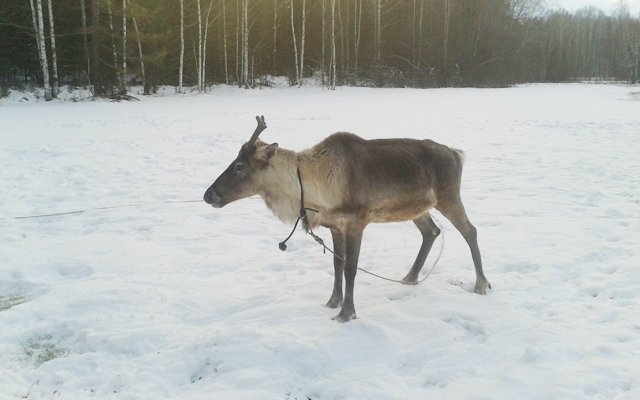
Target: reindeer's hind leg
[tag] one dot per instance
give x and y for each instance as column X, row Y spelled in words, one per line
column 429, row 232
column 454, row 211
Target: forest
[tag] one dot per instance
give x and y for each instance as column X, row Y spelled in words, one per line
column 111, row 45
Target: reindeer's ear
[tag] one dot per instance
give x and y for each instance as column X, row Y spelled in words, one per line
column 264, row 154
column 271, row 150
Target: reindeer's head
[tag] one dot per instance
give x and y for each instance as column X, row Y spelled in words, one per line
column 243, row 176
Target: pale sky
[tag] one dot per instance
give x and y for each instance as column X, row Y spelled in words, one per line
column 605, row 5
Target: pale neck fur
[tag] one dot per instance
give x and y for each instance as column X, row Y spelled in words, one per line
column 281, row 189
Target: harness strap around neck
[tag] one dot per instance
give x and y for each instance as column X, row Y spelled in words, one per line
column 301, row 216
column 305, row 221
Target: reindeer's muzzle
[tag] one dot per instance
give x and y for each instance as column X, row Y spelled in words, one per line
column 211, row 197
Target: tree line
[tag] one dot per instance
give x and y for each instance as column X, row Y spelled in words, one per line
column 109, row 45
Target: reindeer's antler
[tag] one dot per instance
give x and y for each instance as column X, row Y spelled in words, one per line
column 261, row 126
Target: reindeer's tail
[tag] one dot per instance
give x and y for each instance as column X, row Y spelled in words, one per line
column 460, row 156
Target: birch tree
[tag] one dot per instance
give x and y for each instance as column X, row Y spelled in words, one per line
column 378, row 30
column 245, row 43
column 420, row 37
column 295, row 44
column 199, row 66
column 54, row 54
column 123, row 88
column 304, row 31
column 416, row 35
column 203, row 67
column 38, row 26
column 323, row 44
column 139, row 41
column 275, row 34
column 358, row 29
column 114, row 51
column 334, row 74
column 181, row 68
column 342, row 37
column 224, row 42
column 96, row 74
column 445, row 50
column 238, row 47
column 344, row 31
column 85, row 41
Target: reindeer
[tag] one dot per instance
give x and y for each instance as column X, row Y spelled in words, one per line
column 346, row 183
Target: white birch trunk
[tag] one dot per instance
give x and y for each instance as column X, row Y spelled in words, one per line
column 252, row 70
column 123, row 89
column 113, row 44
column 304, row 30
column 333, row 45
column 419, row 55
column 414, row 36
column 378, row 30
column 54, row 55
column 341, row 26
column 322, row 57
column 85, row 41
column 181, row 68
column 447, row 14
column 295, row 44
column 357, row 35
column 245, row 43
column 238, row 48
column 199, row 66
column 224, row 41
column 36, row 29
column 142, row 72
column 345, row 32
column 275, row 34
column 203, row 68
column 41, row 45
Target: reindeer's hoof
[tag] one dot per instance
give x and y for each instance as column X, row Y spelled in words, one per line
column 481, row 287
column 345, row 316
column 334, row 302
column 409, row 280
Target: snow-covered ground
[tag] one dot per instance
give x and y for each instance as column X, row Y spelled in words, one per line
column 182, row 301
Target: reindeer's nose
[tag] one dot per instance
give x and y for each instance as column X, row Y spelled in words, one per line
column 211, row 197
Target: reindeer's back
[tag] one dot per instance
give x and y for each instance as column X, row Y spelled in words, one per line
column 389, row 161
column 379, row 172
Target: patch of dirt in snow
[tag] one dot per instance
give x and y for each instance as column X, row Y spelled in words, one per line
column 8, row 301
column 14, row 293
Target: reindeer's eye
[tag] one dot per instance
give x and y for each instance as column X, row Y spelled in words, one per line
column 240, row 167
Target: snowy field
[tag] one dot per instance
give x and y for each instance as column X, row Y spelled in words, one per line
column 183, row 301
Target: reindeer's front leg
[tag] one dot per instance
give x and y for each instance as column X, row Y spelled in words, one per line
column 353, row 240
column 338, row 268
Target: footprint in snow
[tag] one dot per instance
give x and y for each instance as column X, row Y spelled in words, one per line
column 522, row 267
column 402, row 295
column 209, row 368
column 467, row 287
column 468, row 328
column 75, row 270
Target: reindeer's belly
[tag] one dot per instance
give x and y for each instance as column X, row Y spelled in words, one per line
column 401, row 206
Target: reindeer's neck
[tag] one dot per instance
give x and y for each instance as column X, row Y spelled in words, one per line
column 281, row 191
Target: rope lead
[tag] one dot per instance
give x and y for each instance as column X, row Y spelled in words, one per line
column 101, row 209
